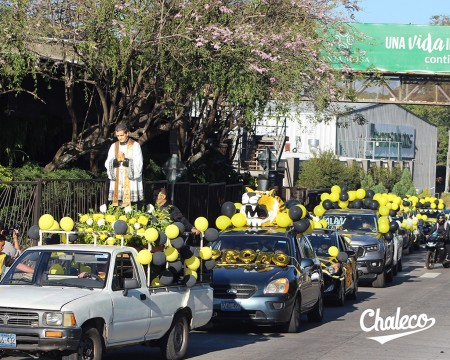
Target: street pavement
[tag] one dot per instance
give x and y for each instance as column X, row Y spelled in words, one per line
column 417, row 298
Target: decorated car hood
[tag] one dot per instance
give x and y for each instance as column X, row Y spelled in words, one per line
column 249, row 274
column 43, row 298
column 362, row 238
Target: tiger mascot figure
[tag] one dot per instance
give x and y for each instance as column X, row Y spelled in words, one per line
column 261, row 207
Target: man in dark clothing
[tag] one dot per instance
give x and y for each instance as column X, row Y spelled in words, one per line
column 160, row 198
column 442, row 230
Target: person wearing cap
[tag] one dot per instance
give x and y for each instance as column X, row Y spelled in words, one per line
column 124, row 167
column 160, row 200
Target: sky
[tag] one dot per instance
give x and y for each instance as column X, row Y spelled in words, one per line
column 417, row 12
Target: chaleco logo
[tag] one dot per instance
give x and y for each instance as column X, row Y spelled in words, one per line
column 371, row 321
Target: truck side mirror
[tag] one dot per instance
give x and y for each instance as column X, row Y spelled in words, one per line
column 129, row 284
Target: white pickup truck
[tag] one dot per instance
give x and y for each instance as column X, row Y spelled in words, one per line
column 78, row 300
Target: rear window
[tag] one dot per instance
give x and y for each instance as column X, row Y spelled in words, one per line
column 352, row 222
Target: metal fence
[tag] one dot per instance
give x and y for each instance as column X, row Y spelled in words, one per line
column 22, row 203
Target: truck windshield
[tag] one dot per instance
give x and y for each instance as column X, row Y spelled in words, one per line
column 59, row 268
column 262, row 243
column 352, row 222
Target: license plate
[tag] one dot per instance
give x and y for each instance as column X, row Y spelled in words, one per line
column 230, row 306
column 7, row 340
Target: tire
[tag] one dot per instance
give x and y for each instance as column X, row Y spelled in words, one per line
column 341, row 296
column 399, row 266
column 316, row 314
column 429, row 262
column 446, row 265
column 380, row 281
column 293, row 326
column 90, row 347
column 395, row 269
column 354, row 294
column 174, row 344
column 389, row 275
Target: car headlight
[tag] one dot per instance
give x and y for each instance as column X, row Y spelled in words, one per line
column 333, row 269
column 59, row 319
column 371, row 247
column 278, row 286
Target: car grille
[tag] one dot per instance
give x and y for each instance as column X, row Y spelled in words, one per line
column 12, row 317
column 233, row 291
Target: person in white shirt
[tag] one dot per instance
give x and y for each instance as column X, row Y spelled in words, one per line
column 124, row 167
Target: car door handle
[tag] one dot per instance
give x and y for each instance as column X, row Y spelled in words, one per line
column 143, row 296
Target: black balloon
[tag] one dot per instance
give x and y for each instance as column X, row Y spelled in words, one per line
column 180, row 226
column 401, row 232
column 73, row 238
column 301, row 225
column 33, row 232
column 357, row 204
column 189, row 280
column 436, row 202
column 162, row 238
column 177, row 243
column 295, row 213
column 406, row 203
column 393, row 226
column 291, row 202
column 344, row 188
column 186, row 252
column 392, row 213
column 159, row 258
column 120, row 227
column 175, row 266
column 327, row 204
column 389, row 236
column 166, row 277
column 366, row 202
column 374, row 205
column 419, row 205
column 211, row 234
column 343, row 196
column 370, row 193
column 209, row 264
column 228, row 209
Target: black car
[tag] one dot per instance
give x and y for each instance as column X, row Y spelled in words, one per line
column 266, row 276
column 339, row 264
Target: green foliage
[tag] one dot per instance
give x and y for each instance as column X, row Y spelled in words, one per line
column 5, row 174
column 32, row 172
column 405, row 186
column 388, row 177
column 153, row 172
column 325, row 170
column 367, row 181
column 379, row 188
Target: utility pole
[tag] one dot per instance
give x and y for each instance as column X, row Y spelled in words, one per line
column 447, row 168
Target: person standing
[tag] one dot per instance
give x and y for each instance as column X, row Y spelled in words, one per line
column 124, row 167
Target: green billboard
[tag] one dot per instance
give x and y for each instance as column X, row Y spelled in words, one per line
column 395, row 48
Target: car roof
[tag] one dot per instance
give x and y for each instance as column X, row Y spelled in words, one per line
column 350, row 211
column 323, row 231
column 258, row 231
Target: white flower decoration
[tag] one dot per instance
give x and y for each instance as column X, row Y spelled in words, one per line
column 101, row 222
column 137, row 225
column 127, row 209
column 103, row 208
column 150, row 208
column 89, row 221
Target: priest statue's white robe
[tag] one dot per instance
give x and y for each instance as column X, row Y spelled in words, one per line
column 124, row 168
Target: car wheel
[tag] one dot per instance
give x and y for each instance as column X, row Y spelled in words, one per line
column 380, row 281
column 316, row 314
column 341, row 295
column 399, row 266
column 389, row 274
column 293, row 326
column 90, row 346
column 395, row 269
column 354, row 294
column 174, row 343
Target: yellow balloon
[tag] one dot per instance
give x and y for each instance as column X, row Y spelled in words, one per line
column 317, row 225
column 171, row 254
column 383, row 228
column 239, row 220
column 319, row 210
column 360, row 194
column 333, row 251
column 441, row 206
column 383, row 220
column 334, row 197
column 201, row 223
column 222, row 222
column 155, row 282
column 192, row 263
column 324, row 223
column 67, row 223
column 144, row 257
column 151, row 234
column 336, row 189
column 343, row 204
column 191, row 272
column 283, row 220
column 56, row 269
column 110, row 241
column 205, row 253
column 384, row 210
column 304, row 211
column 172, row 231
column 424, row 217
column 55, row 226
column 351, row 195
column 324, row 196
column 46, row 222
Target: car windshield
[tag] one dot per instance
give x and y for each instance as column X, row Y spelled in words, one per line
column 265, row 243
column 59, row 268
column 322, row 242
column 352, row 222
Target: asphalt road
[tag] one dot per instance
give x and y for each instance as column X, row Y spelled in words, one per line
column 416, row 293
